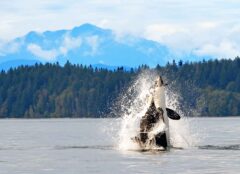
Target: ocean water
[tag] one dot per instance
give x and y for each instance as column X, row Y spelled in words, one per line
column 74, row 146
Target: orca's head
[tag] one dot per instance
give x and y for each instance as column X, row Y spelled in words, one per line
column 159, row 82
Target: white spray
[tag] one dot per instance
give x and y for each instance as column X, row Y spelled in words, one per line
column 133, row 106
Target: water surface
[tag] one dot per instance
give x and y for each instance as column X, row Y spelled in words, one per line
column 70, row 146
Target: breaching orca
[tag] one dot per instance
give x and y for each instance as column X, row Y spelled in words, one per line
column 154, row 125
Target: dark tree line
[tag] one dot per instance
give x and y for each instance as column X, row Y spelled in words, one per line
column 53, row 91
column 50, row 90
column 210, row 87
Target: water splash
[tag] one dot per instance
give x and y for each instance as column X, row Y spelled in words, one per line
column 132, row 106
column 182, row 132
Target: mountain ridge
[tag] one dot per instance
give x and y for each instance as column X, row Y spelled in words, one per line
column 85, row 44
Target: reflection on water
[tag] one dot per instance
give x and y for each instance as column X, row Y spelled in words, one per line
column 89, row 146
column 85, row 147
column 229, row 147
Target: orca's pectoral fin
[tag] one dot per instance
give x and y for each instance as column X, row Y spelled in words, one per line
column 173, row 114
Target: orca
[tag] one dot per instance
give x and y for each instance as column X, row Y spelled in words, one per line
column 154, row 125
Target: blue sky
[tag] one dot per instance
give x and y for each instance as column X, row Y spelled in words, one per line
column 207, row 27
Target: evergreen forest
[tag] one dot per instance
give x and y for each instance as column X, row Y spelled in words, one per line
column 209, row 88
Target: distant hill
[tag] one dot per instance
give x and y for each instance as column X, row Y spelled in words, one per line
column 16, row 63
column 209, row 88
column 86, row 44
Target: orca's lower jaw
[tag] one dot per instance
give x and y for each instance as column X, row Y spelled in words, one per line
column 161, row 140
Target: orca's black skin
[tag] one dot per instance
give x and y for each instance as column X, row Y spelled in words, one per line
column 172, row 114
column 152, row 116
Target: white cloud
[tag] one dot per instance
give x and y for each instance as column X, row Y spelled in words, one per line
column 93, row 42
column 207, row 25
column 12, row 47
column 48, row 55
column 69, row 43
column 159, row 31
column 182, row 25
column 129, row 16
column 223, row 50
column 204, row 38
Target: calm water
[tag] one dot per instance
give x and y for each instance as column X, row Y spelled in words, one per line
column 70, row 146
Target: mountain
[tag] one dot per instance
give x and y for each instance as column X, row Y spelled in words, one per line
column 85, row 44
column 17, row 63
